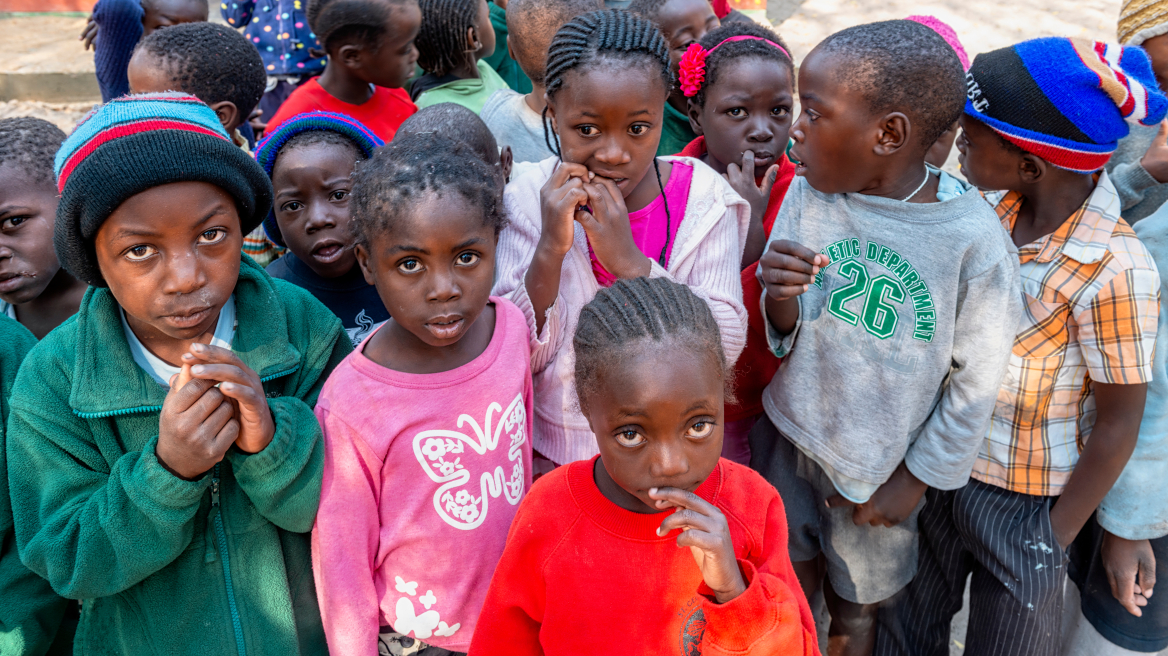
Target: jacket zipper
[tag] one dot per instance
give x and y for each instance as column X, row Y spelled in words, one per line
column 221, row 538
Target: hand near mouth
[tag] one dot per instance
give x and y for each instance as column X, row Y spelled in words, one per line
column 705, row 531
column 609, row 232
column 560, row 200
column 239, row 384
column 742, row 180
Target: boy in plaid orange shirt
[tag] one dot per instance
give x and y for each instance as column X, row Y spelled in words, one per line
column 1041, row 119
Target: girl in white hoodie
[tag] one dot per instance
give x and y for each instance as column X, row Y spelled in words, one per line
column 608, row 208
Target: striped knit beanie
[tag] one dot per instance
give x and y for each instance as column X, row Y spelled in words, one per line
column 136, row 143
column 268, row 149
column 1140, row 20
column 1065, row 100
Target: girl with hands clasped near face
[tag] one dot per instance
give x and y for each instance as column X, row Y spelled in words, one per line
column 657, row 539
column 609, row 209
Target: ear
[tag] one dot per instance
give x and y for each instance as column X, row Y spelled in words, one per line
column 511, row 51
column 551, row 112
column 1032, row 169
column 350, row 56
column 473, row 44
column 362, row 254
column 228, row 114
column 695, row 118
column 506, row 161
column 895, row 131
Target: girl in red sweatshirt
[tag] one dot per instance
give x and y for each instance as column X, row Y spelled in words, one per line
column 740, row 83
column 657, row 546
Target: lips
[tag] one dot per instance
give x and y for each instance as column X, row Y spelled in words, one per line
column 10, row 281
column 328, row 251
column 189, row 318
column 616, row 179
column 446, row 327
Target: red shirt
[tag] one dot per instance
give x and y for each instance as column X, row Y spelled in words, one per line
column 383, row 113
column 757, row 365
column 580, row 575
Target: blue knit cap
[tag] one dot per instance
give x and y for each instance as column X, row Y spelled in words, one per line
column 1066, row 100
column 269, row 148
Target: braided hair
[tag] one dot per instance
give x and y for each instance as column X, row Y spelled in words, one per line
column 728, row 52
column 30, row 144
column 442, row 40
column 339, row 22
column 414, row 167
column 635, row 309
column 607, row 34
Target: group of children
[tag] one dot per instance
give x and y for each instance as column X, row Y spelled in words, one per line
column 706, row 360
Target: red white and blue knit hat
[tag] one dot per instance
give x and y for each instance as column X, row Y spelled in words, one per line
column 268, row 149
column 138, row 142
column 1067, row 101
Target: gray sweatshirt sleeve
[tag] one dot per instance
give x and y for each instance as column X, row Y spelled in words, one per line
column 988, row 308
column 1132, row 181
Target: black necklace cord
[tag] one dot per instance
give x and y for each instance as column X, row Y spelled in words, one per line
column 668, row 218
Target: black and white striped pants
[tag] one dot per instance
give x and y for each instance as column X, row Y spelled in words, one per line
column 1005, row 540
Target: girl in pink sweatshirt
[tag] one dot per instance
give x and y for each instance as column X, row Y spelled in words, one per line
column 608, row 208
column 426, row 424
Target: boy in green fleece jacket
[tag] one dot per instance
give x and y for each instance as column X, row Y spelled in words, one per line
column 30, row 613
column 164, row 461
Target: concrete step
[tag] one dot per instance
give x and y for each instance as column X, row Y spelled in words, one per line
column 41, row 58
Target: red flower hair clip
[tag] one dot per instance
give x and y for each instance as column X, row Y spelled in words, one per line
column 692, row 69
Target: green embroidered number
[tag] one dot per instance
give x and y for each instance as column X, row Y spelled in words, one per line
column 879, row 316
column 835, row 303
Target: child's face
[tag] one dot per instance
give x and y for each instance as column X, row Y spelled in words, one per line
column 311, row 204
column 27, row 214
column 170, row 256
column 393, row 62
column 1157, row 49
column 748, row 109
column 608, row 118
column 835, row 133
column 434, row 269
column 683, row 22
column 485, row 31
column 164, row 13
column 984, row 159
column 657, row 416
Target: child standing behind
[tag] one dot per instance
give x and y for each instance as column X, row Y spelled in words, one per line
column 651, row 377
column 310, row 159
column 456, row 35
column 895, row 335
column 516, row 119
column 1042, row 118
column 740, row 83
column 34, row 289
column 673, row 217
column 371, row 55
column 426, row 426
column 163, row 457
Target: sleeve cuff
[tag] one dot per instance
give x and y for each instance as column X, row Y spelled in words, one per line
column 779, row 345
column 286, row 416
column 738, row 623
column 164, row 487
column 658, row 271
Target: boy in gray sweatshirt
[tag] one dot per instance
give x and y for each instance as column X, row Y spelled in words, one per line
column 892, row 295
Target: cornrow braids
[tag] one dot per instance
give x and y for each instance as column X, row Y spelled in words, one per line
column 441, row 41
column 735, row 50
column 619, row 318
column 211, row 62
column 340, row 22
column 30, row 144
column 607, row 34
column 416, row 166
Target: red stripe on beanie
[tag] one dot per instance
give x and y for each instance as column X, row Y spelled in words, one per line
column 124, row 130
column 1064, row 158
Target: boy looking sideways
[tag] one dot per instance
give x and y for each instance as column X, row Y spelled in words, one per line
column 163, row 457
column 902, row 322
column 1041, row 120
column 682, row 22
column 34, row 289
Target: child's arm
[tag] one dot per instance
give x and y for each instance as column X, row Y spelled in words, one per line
column 1133, row 179
column 119, row 25
column 751, row 606
column 238, row 13
column 345, row 538
column 786, row 270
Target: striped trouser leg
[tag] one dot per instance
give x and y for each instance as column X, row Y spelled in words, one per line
column 916, row 621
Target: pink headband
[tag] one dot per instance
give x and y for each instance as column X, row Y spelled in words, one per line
column 692, row 68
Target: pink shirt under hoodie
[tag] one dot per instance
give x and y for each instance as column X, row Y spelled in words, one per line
column 422, row 476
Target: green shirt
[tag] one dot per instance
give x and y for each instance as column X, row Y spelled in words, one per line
column 218, row 565
column 675, row 132
column 500, row 60
column 471, row 92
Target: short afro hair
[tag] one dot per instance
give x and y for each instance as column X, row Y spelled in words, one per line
column 901, row 65
column 531, row 24
column 457, row 122
column 341, row 22
column 414, row 167
column 736, row 50
column 30, row 144
column 212, row 62
column 647, row 8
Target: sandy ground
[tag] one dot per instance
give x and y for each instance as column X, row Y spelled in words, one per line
column 43, row 44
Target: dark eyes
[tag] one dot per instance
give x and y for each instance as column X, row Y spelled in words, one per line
column 409, row 266
column 12, row 222
column 292, row 206
column 339, row 194
column 701, row 429
column 630, row 438
column 638, row 129
column 467, row 259
column 587, row 130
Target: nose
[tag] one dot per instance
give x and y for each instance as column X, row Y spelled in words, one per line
column 798, row 127
column 320, row 217
column 669, row 460
column 759, row 131
column 184, row 274
column 444, row 285
column 612, row 153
